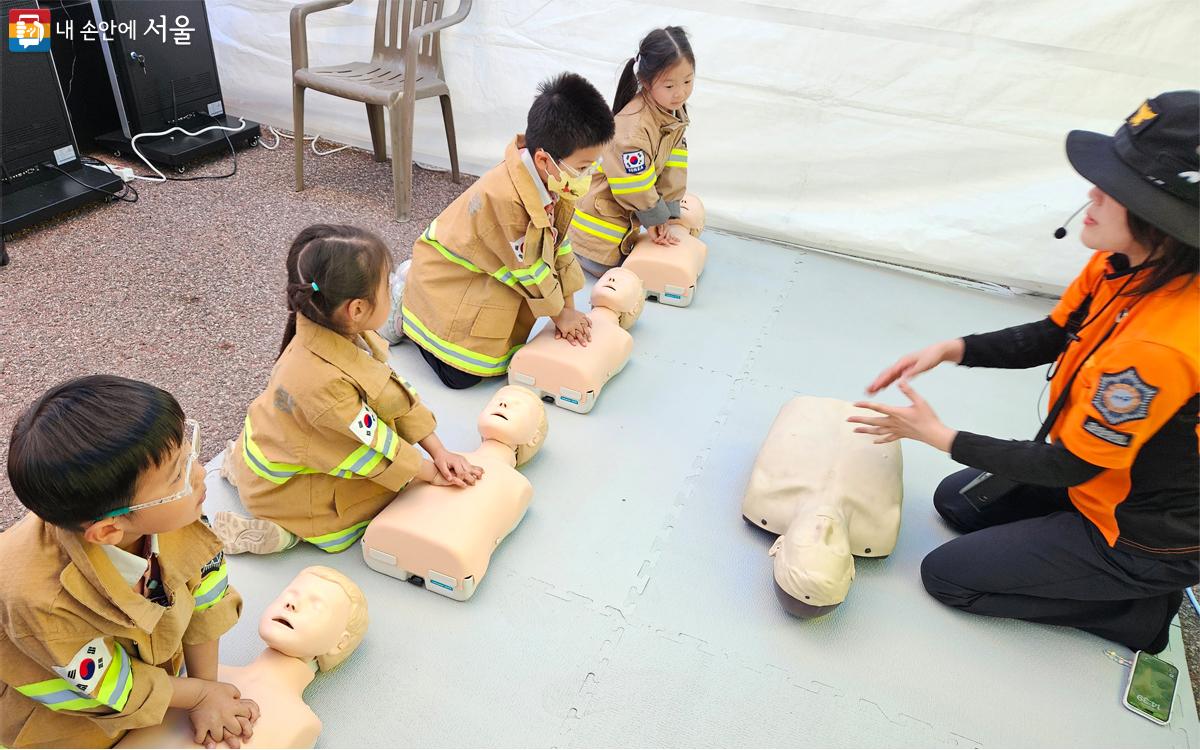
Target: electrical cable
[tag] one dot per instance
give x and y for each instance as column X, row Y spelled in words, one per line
column 282, row 134
column 121, row 196
column 162, row 177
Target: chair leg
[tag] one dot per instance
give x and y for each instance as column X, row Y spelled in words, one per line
column 451, row 142
column 378, row 134
column 400, row 116
column 298, row 129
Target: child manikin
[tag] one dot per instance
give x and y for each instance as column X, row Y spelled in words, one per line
column 572, row 376
column 670, row 272
column 832, row 494
column 314, row 625
column 443, row 537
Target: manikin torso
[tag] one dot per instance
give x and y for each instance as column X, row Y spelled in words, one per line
column 831, row 493
column 573, row 376
column 669, row 272
column 446, row 535
column 274, row 681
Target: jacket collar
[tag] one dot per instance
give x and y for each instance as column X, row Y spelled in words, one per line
column 94, row 581
column 369, row 370
column 666, row 121
column 524, row 183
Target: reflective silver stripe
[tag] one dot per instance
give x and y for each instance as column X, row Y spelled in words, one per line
column 213, row 594
column 586, row 221
column 341, row 539
column 502, row 361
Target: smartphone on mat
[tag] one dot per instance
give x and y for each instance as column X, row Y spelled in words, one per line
column 1150, row 691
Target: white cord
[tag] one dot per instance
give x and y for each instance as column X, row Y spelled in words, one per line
column 292, row 136
column 162, row 177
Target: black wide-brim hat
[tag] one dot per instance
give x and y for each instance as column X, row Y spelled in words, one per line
column 1151, row 165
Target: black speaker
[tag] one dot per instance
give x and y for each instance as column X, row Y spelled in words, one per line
column 40, row 169
column 163, row 73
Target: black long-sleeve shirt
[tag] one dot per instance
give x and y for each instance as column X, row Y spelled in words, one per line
column 1026, row 461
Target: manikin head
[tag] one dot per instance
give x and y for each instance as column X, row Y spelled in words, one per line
column 691, row 212
column 321, row 615
column 813, row 564
column 516, row 417
column 623, row 292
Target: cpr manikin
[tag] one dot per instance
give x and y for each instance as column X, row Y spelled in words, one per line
column 831, row 493
column 443, row 537
column 570, row 375
column 313, row 626
column 670, row 272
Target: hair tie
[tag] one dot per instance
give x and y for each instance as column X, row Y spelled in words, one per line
column 315, row 287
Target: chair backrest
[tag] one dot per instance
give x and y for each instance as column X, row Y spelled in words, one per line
column 393, row 22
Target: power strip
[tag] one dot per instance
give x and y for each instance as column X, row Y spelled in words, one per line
column 125, row 173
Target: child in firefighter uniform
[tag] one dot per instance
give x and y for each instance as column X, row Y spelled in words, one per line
column 643, row 173
column 333, row 437
column 115, row 584
column 497, row 258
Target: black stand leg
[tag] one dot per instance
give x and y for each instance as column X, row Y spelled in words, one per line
column 3, row 252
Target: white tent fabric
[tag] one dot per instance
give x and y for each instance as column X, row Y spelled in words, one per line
column 927, row 134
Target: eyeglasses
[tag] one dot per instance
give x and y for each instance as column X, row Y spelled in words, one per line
column 591, row 170
column 193, row 448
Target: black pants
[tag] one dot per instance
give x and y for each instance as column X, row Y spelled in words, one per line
column 451, row 377
column 1032, row 556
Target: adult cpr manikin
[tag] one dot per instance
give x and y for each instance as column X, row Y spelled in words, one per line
column 570, row 375
column 314, row 625
column 831, row 493
column 670, row 272
column 443, row 537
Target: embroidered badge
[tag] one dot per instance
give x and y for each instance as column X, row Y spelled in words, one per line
column 635, row 162
column 212, row 565
column 87, row 667
column 1123, row 396
column 518, row 248
column 364, row 425
column 283, row 400
column 1106, row 433
column 475, row 204
column 1144, row 114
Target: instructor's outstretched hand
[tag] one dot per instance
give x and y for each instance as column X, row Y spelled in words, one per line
column 918, row 422
column 911, row 365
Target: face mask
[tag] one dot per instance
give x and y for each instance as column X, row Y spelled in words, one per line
column 569, row 184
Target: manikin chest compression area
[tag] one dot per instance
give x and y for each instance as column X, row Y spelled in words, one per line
column 831, row 494
column 443, row 537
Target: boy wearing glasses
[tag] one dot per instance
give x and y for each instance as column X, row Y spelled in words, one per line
column 115, row 584
column 497, row 258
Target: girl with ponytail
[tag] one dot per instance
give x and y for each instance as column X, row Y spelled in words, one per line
column 333, row 437
column 644, row 168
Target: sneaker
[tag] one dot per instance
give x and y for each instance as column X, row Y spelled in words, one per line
column 393, row 329
column 243, row 534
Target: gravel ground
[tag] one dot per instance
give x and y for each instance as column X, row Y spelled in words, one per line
column 184, row 288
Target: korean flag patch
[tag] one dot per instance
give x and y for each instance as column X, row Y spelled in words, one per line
column 518, row 248
column 87, row 667
column 635, row 162
column 1123, row 396
column 365, row 425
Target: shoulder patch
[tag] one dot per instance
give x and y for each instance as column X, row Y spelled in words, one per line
column 87, row 666
column 283, row 400
column 1106, row 433
column 364, row 425
column 635, row 162
column 1123, row 396
column 213, row 565
column 518, row 248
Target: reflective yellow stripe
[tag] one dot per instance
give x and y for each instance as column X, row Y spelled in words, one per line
column 563, row 249
column 606, row 224
column 118, row 681
column 649, row 173
column 458, row 356
column 212, row 589
column 338, row 540
column 678, row 158
column 596, row 227
column 276, row 473
column 531, row 276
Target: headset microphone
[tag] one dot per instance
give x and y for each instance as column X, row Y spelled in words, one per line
column 1062, row 231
